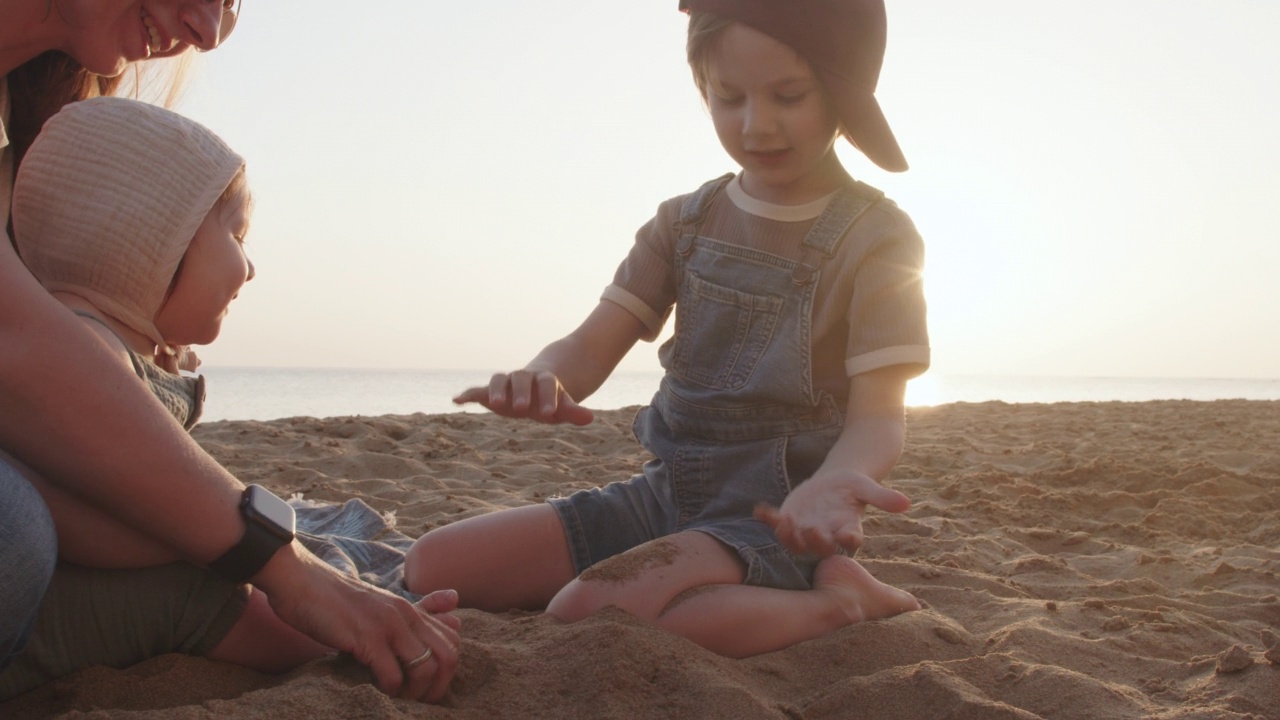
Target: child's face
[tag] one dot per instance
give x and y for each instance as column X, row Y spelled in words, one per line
column 213, row 270
column 772, row 118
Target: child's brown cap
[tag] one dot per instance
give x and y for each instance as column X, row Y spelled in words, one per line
column 843, row 40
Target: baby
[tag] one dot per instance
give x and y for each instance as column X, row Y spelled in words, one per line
column 134, row 217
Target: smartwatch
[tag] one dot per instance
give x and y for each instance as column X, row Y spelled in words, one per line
column 268, row 526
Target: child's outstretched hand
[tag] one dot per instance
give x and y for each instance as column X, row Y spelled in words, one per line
column 825, row 512
column 528, row 394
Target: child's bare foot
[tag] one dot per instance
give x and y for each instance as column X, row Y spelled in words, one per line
column 859, row 595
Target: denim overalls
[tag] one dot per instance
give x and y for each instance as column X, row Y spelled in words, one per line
column 735, row 421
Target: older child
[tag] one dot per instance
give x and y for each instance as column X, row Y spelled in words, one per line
column 799, row 319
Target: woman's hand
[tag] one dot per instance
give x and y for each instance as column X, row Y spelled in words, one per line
column 825, row 512
column 528, row 394
column 383, row 631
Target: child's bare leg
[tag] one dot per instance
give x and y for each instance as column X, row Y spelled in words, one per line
column 645, row 579
column 690, row 584
column 516, row 558
column 745, row 620
column 261, row 641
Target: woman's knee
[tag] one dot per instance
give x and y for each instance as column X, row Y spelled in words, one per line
column 28, row 554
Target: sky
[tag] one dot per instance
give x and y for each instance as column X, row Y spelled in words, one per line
column 451, row 185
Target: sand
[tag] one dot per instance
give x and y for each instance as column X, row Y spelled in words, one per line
column 1075, row 561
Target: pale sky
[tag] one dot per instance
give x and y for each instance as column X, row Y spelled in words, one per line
column 451, row 185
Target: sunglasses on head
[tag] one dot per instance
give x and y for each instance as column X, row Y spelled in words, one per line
column 230, row 13
column 227, row 23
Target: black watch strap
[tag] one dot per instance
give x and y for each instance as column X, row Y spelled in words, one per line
column 248, row 556
column 256, row 546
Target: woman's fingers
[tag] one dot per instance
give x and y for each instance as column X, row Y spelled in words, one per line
column 427, row 653
column 440, row 601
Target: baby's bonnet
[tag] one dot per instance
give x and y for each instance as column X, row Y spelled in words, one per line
column 109, row 197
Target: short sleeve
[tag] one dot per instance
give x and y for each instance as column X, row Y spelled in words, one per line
column 887, row 318
column 645, row 282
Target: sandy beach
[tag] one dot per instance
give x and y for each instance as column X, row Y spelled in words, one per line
column 1076, row 561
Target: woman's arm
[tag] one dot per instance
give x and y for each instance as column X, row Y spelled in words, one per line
column 70, row 412
column 83, row 422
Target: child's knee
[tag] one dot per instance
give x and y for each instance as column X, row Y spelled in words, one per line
column 428, row 561
column 417, row 564
column 579, row 600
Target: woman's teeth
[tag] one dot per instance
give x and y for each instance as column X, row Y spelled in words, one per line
column 154, row 34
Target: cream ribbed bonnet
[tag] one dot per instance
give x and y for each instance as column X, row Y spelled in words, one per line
column 109, row 197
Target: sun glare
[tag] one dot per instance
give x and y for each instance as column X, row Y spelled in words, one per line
column 922, row 391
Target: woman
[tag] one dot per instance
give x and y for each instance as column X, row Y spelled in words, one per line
column 75, row 420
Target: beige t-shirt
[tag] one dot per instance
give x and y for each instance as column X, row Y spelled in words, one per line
column 869, row 310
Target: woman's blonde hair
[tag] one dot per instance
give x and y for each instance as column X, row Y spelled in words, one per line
column 42, row 86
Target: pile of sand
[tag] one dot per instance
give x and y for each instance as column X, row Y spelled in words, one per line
column 1075, row 560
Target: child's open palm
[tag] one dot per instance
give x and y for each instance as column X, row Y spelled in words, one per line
column 825, row 512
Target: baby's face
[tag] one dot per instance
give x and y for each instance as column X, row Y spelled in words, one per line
column 214, row 269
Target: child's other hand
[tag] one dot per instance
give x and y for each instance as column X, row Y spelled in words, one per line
column 530, row 395
column 178, row 357
column 825, row 512
column 187, row 358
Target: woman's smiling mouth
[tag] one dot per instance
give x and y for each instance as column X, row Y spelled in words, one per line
column 156, row 41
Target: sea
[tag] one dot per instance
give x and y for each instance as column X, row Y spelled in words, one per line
column 247, row 393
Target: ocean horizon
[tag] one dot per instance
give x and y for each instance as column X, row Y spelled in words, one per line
column 249, row 393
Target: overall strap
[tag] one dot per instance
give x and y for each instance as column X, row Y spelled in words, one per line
column 841, row 213
column 831, row 227
column 694, row 208
column 133, row 357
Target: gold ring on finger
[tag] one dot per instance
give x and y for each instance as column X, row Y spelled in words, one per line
column 425, row 656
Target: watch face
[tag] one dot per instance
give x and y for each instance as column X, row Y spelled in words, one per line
column 269, row 511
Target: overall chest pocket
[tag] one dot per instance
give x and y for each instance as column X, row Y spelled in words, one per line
column 721, row 333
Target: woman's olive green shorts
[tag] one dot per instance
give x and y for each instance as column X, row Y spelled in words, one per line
column 121, row 617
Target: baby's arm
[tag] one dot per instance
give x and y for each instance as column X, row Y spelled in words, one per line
column 825, row 511
column 566, row 372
